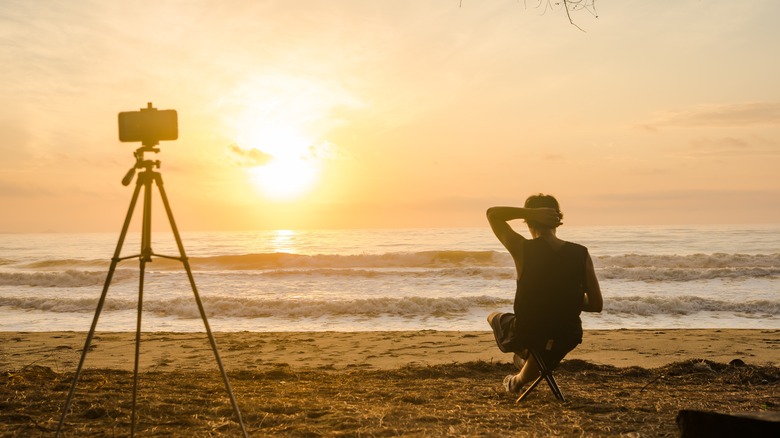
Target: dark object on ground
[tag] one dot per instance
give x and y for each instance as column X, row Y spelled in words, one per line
column 694, row 424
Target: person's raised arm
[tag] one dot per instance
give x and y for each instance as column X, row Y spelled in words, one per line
column 498, row 217
column 593, row 301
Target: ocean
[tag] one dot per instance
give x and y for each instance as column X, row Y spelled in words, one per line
column 396, row 279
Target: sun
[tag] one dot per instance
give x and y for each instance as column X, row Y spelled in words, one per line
column 280, row 125
column 289, row 168
column 284, row 178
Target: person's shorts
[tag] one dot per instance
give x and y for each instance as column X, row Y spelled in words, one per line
column 553, row 350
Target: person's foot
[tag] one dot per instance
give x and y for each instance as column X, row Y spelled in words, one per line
column 512, row 383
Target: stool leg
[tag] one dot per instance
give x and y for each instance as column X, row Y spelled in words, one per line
column 546, row 374
column 530, row 388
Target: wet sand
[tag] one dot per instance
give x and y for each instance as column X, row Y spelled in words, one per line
column 376, row 350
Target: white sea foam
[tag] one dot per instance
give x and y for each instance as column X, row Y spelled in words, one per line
column 259, row 308
column 483, row 264
column 409, row 307
column 692, row 261
column 687, row 305
column 358, row 279
column 68, row 278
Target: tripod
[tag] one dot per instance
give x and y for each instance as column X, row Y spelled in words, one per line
column 146, row 179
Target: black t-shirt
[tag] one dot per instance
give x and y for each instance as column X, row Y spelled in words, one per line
column 550, row 291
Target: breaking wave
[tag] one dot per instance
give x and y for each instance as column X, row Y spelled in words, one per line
column 67, row 264
column 422, row 259
column 688, row 268
column 69, row 278
column 410, row 307
column 687, row 304
column 260, row 308
column 473, row 264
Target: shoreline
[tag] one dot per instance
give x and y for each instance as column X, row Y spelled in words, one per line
column 381, row 350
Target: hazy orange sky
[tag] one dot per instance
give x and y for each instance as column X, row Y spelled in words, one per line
column 355, row 114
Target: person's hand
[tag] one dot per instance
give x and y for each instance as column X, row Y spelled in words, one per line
column 546, row 216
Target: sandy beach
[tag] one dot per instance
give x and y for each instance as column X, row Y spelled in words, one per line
column 372, row 350
column 617, row 382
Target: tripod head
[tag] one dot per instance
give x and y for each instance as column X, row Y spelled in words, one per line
column 148, row 125
column 141, row 163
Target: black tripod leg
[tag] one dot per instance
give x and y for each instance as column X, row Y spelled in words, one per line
column 146, row 256
column 101, row 301
column 137, row 344
column 212, row 340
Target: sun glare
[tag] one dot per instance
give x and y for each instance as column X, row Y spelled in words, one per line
column 284, row 241
column 290, row 170
column 279, row 122
column 284, row 178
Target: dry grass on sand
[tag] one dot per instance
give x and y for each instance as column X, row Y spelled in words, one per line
column 461, row 399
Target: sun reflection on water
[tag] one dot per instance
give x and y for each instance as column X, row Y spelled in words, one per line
column 284, row 241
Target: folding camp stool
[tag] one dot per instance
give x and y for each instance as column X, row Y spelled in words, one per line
column 546, row 374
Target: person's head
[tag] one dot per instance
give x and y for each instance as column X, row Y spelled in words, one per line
column 543, row 201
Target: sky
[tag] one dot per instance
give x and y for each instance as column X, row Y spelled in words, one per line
column 385, row 114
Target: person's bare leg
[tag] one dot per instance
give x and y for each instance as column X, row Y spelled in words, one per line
column 520, row 359
column 530, row 372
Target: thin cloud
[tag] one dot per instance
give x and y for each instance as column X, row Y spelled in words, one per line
column 327, row 151
column 723, row 115
column 731, row 147
column 689, row 197
column 249, row 157
column 16, row 190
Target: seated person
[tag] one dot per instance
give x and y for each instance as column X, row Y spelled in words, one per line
column 555, row 282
